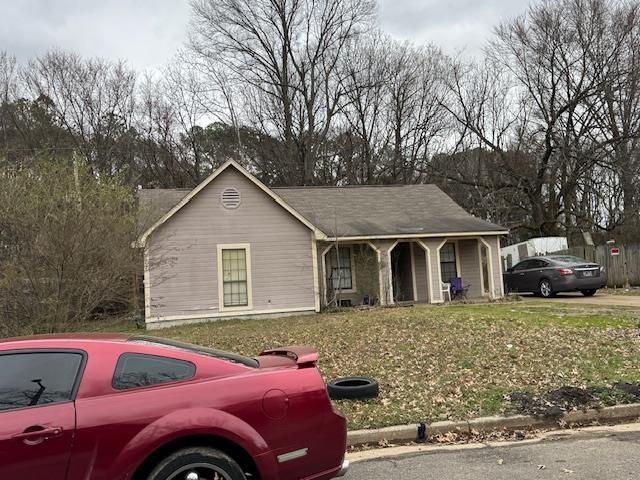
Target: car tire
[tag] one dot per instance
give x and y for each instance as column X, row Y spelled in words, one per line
column 204, row 462
column 589, row 293
column 353, row 388
column 545, row 288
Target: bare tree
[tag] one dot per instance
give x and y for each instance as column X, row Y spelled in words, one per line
column 286, row 52
column 93, row 99
column 533, row 106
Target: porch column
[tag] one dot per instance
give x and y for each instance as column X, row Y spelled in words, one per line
column 496, row 287
column 385, row 280
column 431, row 247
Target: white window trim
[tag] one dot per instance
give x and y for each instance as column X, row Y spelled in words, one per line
column 247, row 249
column 354, row 288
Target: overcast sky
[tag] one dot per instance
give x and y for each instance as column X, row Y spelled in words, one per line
column 147, row 33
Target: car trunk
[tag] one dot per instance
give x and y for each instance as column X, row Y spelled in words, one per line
column 587, row 270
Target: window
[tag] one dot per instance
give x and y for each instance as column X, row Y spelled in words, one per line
column 234, row 276
column 138, row 370
column 39, row 378
column 526, row 265
column 211, row 352
column 340, row 271
column 448, row 267
column 538, row 264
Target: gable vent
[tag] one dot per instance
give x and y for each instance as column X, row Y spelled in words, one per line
column 230, row 198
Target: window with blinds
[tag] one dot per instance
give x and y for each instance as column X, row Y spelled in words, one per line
column 234, row 277
column 448, row 266
column 340, row 272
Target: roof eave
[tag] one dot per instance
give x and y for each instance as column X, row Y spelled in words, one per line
column 416, row 235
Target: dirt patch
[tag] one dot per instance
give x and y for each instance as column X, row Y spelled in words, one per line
column 565, row 399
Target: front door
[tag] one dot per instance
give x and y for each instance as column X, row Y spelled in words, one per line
column 37, row 413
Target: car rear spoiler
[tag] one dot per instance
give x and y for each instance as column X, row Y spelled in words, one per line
column 303, row 356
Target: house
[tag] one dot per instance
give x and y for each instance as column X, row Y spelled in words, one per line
column 234, row 247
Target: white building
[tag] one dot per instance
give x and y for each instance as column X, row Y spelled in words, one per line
column 513, row 254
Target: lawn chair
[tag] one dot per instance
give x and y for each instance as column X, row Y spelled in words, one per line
column 446, row 290
column 458, row 290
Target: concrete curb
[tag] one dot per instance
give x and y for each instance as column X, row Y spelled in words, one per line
column 408, row 433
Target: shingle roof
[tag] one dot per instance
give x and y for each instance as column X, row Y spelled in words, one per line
column 355, row 211
column 360, row 211
column 153, row 203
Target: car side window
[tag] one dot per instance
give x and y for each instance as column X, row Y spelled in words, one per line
column 136, row 370
column 38, row 378
column 522, row 266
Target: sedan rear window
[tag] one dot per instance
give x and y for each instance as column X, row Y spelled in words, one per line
column 38, row 378
column 136, row 370
column 568, row 259
column 210, row 352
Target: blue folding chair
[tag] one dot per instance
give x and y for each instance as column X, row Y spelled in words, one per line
column 458, row 290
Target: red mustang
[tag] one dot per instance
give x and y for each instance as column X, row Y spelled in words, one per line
column 114, row 407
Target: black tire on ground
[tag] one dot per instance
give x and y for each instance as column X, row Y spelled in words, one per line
column 545, row 288
column 353, row 388
column 205, row 462
column 589, row 293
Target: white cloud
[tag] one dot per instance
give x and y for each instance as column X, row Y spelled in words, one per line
column 454, row 25
column 147, row 33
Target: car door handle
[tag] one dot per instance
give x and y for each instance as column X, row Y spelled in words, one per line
column 37, row 434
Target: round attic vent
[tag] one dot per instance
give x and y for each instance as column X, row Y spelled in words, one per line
column 230, row 198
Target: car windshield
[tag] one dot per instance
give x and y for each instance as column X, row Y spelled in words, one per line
column 211, row 352
column 568, row 259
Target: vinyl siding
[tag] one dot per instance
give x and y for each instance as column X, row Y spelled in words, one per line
column 183, row 272
column 422, row 281
column 470, row 267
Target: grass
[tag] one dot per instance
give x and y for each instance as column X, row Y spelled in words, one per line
column 442, row 362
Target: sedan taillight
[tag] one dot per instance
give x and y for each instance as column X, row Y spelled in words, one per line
column 564, row 271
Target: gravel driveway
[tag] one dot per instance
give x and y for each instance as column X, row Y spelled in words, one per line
column 597, row 299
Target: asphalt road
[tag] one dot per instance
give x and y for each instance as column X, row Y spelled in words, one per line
column 602, row 454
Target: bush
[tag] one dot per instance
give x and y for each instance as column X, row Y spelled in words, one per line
column 65, row 246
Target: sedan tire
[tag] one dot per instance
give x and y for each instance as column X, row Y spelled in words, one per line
column 545, row 288
column 353, row 388
column 589, row 293
column 197, row 463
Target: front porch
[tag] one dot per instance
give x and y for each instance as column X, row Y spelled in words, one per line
column 408, row 270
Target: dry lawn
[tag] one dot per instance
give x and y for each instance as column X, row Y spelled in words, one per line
column 441, row 362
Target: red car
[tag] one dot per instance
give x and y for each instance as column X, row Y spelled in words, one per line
column 115, row 407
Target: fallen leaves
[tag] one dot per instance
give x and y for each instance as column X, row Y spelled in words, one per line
column 437, row 363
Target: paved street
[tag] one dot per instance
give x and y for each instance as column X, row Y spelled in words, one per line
column 602, row 454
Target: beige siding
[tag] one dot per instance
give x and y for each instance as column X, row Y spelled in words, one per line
column 470, row 272
column 183, row 253
column 422, row 280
